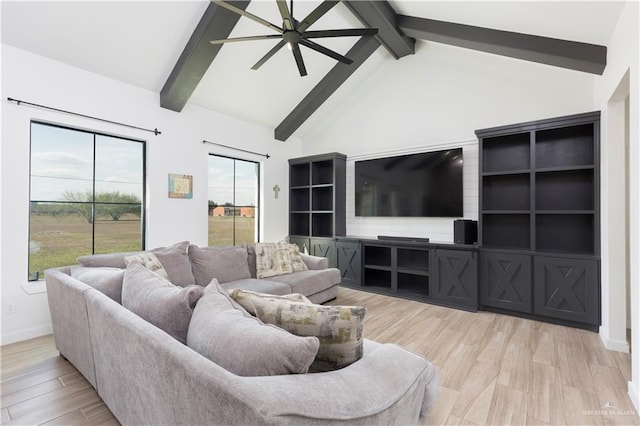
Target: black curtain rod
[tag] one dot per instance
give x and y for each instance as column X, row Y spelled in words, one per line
column 18, row 101
column 237, row 149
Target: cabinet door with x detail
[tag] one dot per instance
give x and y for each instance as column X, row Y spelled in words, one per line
column 455, row 278
column 567, row 288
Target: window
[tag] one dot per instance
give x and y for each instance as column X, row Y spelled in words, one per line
column 233, row 201
column 86, row 196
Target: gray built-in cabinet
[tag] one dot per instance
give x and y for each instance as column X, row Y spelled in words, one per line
column 539, row 224
column 539, row 228
column 317, row 200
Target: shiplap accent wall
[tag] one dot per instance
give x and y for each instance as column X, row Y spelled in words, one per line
column 436, row 229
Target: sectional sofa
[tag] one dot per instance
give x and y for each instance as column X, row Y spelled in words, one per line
column 147, row 376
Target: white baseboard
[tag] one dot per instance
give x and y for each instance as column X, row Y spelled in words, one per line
column 30, row 333
column 632, row 390
column 612, row 344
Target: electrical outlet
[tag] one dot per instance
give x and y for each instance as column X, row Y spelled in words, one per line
column 11, row 307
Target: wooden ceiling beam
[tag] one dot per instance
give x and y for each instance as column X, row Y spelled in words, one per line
column 380, row 15
column 573, row 55
column 326, row 87
column 216, row 23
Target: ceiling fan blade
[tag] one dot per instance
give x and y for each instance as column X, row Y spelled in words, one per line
column 250, row 38
column 299, row 61
column 354, row 32
column 244, row 13
column 325, row 51
column 287, row 20
column 269, row 54
column 317, row 13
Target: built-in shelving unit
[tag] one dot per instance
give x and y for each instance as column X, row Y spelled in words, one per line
column 445, row 274
column 539, row 204
column 317, row 200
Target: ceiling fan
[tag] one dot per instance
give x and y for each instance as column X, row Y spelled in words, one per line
column 293, row 33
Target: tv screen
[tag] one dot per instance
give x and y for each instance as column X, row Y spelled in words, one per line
column 427, row 184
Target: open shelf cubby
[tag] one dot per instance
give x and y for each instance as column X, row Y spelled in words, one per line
column 565, row 146
column 565, row 233
column 322, row 172
column 565, row 190
column 506, row 231
column 299, row 200
column 506, row 192
column 377, row 278
column 322, row 224
column 506, row 153
column 299, row 175
column 414, row 284
column 322, row 198
column 413, row 259
column 299, row 224
column 376, row 255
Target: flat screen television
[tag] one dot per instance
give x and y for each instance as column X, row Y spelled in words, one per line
column 427, row 184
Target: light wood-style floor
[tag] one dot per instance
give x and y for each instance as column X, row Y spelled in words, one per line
column 493, row 369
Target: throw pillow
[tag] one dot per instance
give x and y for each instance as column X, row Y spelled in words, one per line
column 107, row 280
column 277, row 259
column 251, row 258
column 296, row 258
column 224, row 332
column 149, row 261
column 339, row 328
column 223, row 263
column 174, row 259
column 159, row 302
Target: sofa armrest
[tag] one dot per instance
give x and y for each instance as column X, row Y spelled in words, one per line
column 315, row 262
column 390, row 385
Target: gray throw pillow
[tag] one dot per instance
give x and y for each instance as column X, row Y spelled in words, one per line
column 107, row 280
column 251, row 258
column 223, row 263
column 226, row 334
column 339, row 328
column 174, row 259
column 159, row 302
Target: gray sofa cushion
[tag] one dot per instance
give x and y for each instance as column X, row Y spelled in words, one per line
column 251, row 258
column 260, row 286
column 174, row 259
column 223, row 263
column 226, row 334
column 107, row 280
column 156, row 300
column 310, row 282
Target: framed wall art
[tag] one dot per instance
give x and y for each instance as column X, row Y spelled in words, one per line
column 180, row 186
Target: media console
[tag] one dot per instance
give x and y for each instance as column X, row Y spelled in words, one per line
column 413, row 268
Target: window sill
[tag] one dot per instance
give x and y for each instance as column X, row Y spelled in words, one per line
column 35, row 287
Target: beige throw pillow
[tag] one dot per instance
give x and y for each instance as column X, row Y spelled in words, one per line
column 339, row 328
column 149, row 261
column 278, row 259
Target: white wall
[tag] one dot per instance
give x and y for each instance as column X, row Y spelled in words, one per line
column 622, row 63
column 179, row 149
column 436, row 99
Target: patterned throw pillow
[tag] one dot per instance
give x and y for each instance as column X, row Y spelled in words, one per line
column 339, row 328
column 278, row 259
column 149, row 261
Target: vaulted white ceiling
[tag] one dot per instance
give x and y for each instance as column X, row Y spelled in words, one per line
column 139, row 42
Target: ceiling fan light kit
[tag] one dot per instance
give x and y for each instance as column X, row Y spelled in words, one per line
column 294, row 33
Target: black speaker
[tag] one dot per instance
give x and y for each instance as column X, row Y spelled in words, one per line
column 465, row 231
